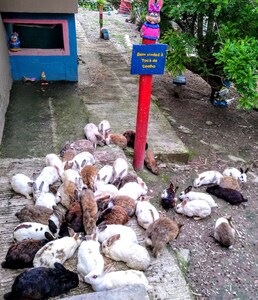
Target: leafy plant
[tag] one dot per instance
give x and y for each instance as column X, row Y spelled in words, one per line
column 216, row 39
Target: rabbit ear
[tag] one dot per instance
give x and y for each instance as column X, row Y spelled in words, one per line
column 184, row 201
column 151, row 2
column 188, row 189
column 247, row 169
column 48, row 236
column 71, row 231
column 160, row 3
column 59, row 266
column 241, row 170
column 112, row 240
column 52, row 226
column 41, row 186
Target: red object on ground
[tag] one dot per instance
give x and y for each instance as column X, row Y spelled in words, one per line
column 125, row 7
column 144, row 97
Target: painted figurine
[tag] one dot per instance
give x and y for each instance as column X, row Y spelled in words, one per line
column 150, row 29
column 14, row 42
column 220, row 96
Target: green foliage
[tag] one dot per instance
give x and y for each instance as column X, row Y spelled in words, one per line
column 94, row 4
column 179, row 48
column 240, row 61
column 216, row 39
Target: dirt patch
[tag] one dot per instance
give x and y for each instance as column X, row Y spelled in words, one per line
column 217, row 138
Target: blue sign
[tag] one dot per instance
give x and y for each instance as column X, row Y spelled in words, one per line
column 148, row 59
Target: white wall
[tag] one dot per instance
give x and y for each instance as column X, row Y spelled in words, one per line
column 5, row 77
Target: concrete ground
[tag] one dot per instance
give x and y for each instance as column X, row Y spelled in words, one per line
column 40, row 120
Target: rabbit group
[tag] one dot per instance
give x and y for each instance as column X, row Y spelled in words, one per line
column 226, row 186
column 78, row 206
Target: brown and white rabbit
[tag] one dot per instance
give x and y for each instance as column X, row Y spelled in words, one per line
column 224, row 232
column 160, row 232
column 74, row 216
column 66, row 192
column 135, row 256
column 58, row 250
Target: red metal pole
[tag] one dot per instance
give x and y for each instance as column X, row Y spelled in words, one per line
column 100, row 18
column 144, row 97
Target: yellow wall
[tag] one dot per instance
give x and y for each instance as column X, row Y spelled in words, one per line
column 39, row 6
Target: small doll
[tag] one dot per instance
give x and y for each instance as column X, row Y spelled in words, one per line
column 220, row 96
column 14, row 42
column 150, row 28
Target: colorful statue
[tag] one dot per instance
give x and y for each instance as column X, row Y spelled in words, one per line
column 150, row 28
column 220, row 96
column 14, row 42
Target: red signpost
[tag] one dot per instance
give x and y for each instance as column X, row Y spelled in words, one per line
column 144, row 98
column 149, row 34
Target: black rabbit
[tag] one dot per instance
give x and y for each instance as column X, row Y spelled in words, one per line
column 231, row 196
column 42, row 283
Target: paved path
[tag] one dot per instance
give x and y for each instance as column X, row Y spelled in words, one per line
column 105, row 90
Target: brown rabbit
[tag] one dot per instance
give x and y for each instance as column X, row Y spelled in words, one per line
column 69, row 154
column 89, row 211
column 117, row 139
column 150, row 162
column 160, row 232
column 88, row 174
column 34, row 213
column 73, row 216
column 126, row 202
column 230, row 182
column 82, row 146
column 113, row 215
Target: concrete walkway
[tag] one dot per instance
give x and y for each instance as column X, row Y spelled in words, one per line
column 106, row 90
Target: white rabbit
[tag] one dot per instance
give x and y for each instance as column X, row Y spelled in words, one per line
column 73, row 176
column 92, row 134
column 107, row 281
column 48, row 175
column 145, row 213
column 224, row 233
column 135, row 256
column 208, row 177
column 106, row 231
column 133, row 190
column 195, row 208
column 53, row 160
column 104, row 128
column 46, row 199
column 237, row 174
column 120, row 167
column 22, row 184
column 105, row 189
column 82, row 159
column 58, row 250
column 34, row 231
column 89, row 257
column 188, row 193
column 105, row 175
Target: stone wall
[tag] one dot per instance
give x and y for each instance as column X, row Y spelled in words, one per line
column 5, row 77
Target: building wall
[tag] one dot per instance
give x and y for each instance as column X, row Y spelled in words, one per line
column 5, row 77
column 39, row 6
column 30, row 63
